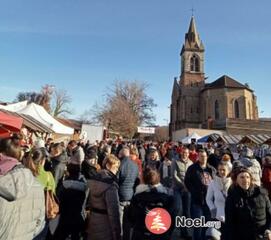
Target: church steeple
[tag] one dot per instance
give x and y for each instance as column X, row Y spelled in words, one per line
column 192, row 39
column 192, row 58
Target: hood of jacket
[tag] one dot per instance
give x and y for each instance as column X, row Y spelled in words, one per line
column 7, row 163
column 16, row 183
column 76, row 184
column 147, row 188
column 102, row 182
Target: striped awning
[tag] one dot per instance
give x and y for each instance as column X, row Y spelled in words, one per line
column 230, row 139
column 256, row 139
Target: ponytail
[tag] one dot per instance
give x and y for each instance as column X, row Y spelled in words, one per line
column 34, row 160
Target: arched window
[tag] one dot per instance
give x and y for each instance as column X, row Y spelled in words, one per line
column 194, row 64
column 216, row 110
column 236, row 109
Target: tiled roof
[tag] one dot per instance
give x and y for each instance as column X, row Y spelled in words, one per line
column 226, row 82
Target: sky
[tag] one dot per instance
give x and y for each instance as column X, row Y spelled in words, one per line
column 83, row 46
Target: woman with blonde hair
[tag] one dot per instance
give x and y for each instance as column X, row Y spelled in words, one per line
column 104, row 219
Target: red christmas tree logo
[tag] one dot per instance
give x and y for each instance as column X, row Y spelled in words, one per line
column 158, row 221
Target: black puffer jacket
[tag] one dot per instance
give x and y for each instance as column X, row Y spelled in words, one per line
column 247, row 213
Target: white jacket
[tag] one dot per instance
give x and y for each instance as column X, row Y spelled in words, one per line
column 216, row 196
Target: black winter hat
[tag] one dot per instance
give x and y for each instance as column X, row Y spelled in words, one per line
column 91, row 152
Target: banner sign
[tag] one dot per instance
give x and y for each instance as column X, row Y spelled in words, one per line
column 150, row 130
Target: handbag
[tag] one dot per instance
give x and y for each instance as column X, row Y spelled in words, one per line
column 51, row 204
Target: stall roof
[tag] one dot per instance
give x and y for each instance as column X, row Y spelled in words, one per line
column 209, row 138
column 230, row 139
column 40, row 114
column 257, row 139
column 30, row 122
column 268, row 141
column 9, row 123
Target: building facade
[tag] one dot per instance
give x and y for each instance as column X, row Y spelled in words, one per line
column 197, row 104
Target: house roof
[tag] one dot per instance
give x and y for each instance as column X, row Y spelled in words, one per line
column 71, row 123
column 226, row 82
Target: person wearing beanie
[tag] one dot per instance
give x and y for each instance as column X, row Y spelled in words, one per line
column 247, row 159
column 247, row 209
column 90, row 166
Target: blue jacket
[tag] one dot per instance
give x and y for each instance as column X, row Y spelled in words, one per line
column 128, row 175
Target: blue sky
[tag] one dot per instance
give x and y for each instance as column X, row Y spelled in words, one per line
column 84, row 45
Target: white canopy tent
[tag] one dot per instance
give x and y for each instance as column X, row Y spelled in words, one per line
column 14, row 107
column 41, row 115
column 187, row 140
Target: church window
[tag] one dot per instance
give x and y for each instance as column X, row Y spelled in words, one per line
column 236, row 109
column 194, row 64
column 216, row 110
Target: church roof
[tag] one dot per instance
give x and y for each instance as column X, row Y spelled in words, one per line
column 226, row 82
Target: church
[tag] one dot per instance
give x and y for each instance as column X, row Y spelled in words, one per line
column 224, row 104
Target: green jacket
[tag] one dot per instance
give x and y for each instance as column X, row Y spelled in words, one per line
column 46, row 179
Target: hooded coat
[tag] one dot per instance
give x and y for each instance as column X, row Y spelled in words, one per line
column 104, row 220
column 22, row 206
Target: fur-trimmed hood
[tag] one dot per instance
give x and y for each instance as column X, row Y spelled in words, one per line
column 147, row 188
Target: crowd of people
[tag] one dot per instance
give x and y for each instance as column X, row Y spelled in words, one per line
column 105, row 190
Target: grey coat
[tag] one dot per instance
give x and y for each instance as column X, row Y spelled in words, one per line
column 104, row 221
column 22, row 206
column 179, row 168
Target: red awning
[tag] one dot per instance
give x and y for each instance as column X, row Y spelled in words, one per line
column 9, row 123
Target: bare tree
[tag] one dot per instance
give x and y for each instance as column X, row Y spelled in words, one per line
column 47, row 92
column 60, row 103
column 161, row 134
column 29, row 96
column 134, row 93
column 53, row 100
column 126, row 106
column 42, row 98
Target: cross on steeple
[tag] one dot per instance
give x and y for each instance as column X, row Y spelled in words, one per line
column 192, row 10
